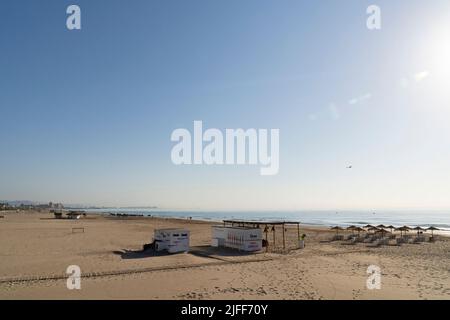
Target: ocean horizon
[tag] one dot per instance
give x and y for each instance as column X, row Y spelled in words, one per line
column 412, row 218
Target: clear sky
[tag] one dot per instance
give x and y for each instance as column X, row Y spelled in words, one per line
column 86, row 115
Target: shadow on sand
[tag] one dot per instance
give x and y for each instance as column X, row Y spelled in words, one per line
column 218, row 252
column 201, row 251
column 140, row 254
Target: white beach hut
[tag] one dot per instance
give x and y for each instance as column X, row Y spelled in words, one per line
column 171, row 240
column 241, row 238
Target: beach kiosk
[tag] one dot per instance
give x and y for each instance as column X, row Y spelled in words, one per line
column 246, row 225
column 171, row 240
column 241, row 238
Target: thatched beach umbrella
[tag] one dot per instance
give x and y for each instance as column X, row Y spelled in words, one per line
column 403, row 229
column 406, row 229
column 381, row 230
column 374, row 229
column 381, row 226
column 352, row 229
column 432, row 229
column 369, row 226
column 358, row 229
column 391, row 227
column 337, row 229
column 418, row 229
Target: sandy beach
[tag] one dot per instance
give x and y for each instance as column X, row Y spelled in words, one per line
column 36, row 249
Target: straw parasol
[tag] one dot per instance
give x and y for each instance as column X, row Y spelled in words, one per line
column 351, row 228
column 391, row 227
column 358, row 229
column 382, row 231
column 432, row 229
column 381, row 226
column 403, row 229
column 374, row 229
column 418, row 229
column 369, row 226
column 337, row 229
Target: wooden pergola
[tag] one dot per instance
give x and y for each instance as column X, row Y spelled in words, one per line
column 266, row 224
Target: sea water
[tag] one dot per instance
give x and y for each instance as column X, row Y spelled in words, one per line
column 412, row 218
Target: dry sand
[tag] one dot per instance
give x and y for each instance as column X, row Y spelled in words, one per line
column 35, row 246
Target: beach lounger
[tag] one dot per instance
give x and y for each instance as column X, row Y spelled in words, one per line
column 374, row 244
column 393, row 243
column 419, row 239
column 333, row 238
column 337, row 237
column 369, row 240
column 350, row 242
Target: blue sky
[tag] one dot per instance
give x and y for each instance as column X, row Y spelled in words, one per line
column 87, row 115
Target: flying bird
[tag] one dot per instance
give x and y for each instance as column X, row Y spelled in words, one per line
column 350, row 167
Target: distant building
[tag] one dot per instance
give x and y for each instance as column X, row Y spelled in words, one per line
column 5, row 206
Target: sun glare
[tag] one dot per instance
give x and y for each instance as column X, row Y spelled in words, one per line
column 433, row 64
column 438, row 50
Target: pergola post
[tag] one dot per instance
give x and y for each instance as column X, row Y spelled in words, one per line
column 298, row 234
column 267, row 242
column 273, row 229
column 284, row 238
